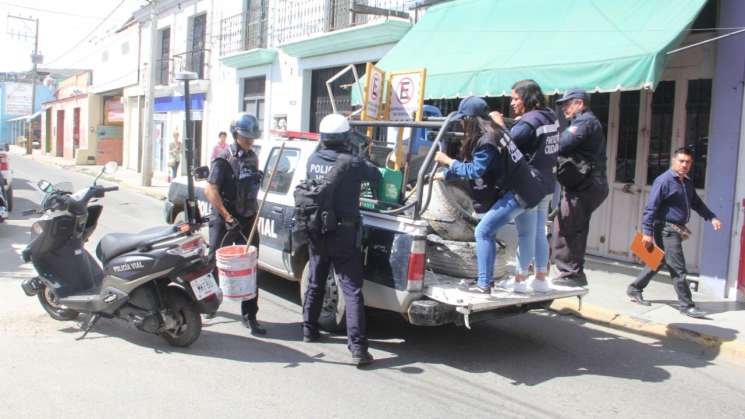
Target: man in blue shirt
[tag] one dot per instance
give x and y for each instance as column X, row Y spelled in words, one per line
column 668, row 210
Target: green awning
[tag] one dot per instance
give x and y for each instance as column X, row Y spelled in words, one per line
column 481, row 47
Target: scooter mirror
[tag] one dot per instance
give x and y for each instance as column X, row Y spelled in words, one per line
column 45, row 186
column 110, row 167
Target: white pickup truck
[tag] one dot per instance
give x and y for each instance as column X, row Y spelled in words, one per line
column 6, row 181
column 414, row 254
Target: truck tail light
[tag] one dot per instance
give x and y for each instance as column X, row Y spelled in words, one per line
column 415, row 273
column 3, row 162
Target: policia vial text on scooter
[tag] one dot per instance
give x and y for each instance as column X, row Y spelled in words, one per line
column 159, row 280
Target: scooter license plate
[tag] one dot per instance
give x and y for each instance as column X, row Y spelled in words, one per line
column 204, row 286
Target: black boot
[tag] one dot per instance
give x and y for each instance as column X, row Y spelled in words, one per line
column 253, row 325
column 636, row 296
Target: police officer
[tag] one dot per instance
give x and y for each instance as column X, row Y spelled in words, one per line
column 340, row 247
column 233, row 186
column 582, row 141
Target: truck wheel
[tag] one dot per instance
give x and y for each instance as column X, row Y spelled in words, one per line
column 55, row 311
column 188, row 322
column 458, row 258
column 333, row 307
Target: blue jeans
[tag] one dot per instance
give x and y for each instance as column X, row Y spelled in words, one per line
column 502, row 212
column 531, row 238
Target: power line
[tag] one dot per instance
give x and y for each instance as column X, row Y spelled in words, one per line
column 53, row 12
column 89, row 33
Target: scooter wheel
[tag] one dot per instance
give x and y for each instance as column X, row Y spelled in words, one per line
column 55, row 311
column 188, row 321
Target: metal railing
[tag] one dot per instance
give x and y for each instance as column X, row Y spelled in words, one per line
column 241, row 32
column 197, row 61
column 297, row 19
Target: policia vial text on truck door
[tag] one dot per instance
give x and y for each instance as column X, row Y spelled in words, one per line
column 415, row 249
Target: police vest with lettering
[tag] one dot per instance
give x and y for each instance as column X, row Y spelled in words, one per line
column 246, row 177
column 545, row 150
column 485, row 190
column 517, row 175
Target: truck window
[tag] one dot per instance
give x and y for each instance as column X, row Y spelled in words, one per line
column 285, row 170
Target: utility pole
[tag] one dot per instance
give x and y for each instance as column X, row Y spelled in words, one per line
column 147, row 143
column 36, row 59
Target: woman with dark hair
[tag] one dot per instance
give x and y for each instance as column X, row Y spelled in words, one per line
column 488, row 160
column 536, row 127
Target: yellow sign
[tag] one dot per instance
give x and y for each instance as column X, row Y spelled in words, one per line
column 373, row 94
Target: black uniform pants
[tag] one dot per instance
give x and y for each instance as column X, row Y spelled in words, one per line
column 570, row 243
column 220, row 236
column 671, row 242
column 341, row 250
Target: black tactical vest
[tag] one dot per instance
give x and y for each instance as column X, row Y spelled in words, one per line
column 246, row 178
column 545, row 150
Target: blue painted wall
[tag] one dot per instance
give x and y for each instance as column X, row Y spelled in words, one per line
column 725, row 137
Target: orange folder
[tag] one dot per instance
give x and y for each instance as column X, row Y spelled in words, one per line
column 651, row 258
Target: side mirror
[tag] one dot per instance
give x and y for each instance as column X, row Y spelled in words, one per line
column 201, row 173
column 110, row 167
column 45, row 186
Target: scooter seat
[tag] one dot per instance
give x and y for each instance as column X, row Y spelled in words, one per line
column 115, row 244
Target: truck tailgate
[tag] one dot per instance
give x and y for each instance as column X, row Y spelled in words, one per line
column 445, row 289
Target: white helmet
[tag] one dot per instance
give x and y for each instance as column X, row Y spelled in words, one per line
column 334, row 129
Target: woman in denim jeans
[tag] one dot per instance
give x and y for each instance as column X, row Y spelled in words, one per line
column 481, row 159
column 536, row 127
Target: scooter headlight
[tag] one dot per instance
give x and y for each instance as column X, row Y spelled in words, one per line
column 37, row 228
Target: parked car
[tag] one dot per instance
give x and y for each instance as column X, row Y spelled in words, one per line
column 414, row 254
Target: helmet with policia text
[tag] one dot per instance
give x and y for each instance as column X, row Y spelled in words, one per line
column 245, row 125
column 334, row 129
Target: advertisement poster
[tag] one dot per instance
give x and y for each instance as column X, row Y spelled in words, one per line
column 18, row 99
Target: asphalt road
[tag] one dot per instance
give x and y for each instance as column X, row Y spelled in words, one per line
column 535, row 365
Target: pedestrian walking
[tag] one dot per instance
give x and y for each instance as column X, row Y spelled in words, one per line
column 232, row 190
column 536, row 134
column 339, row 247
column 668, row 210
column 584, row 188
column 490, row 160
column 174, row 155
column 221, row 145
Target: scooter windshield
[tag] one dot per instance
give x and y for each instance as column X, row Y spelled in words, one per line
column 63, row 187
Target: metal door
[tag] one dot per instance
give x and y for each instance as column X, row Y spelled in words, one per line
column 60, row 149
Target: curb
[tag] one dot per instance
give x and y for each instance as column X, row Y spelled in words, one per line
column 632, row 324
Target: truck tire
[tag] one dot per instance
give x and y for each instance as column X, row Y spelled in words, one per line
column 458, row 258
column 446, row 211
column 333, row 308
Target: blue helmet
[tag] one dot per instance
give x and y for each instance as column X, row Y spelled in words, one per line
column 245, row 125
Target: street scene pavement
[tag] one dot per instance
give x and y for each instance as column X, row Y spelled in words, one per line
column 541, row 364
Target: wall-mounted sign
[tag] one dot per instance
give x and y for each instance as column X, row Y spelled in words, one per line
column 18, row 99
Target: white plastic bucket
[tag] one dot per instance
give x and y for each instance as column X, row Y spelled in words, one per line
column 237, row 271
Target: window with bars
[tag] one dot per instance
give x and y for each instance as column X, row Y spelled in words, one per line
column 698, row 107
column 661, row 130
column 628, row 130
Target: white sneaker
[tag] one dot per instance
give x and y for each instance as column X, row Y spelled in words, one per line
column 506, row 284
column 466, row 283
column 540, row 285
column 521, row 287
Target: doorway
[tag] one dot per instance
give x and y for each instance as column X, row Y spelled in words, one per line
column 60, row 149
column 75, row 131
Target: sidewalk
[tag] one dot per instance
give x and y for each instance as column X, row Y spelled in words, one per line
column 125, row 177
column 606, row 303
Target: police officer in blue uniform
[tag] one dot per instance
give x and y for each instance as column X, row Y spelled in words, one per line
column 341, row 247
column 232, row 189
column 583, row 141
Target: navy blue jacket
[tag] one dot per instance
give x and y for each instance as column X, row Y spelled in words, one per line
column 672, row 201
column 347, row 193
column 582, row 138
